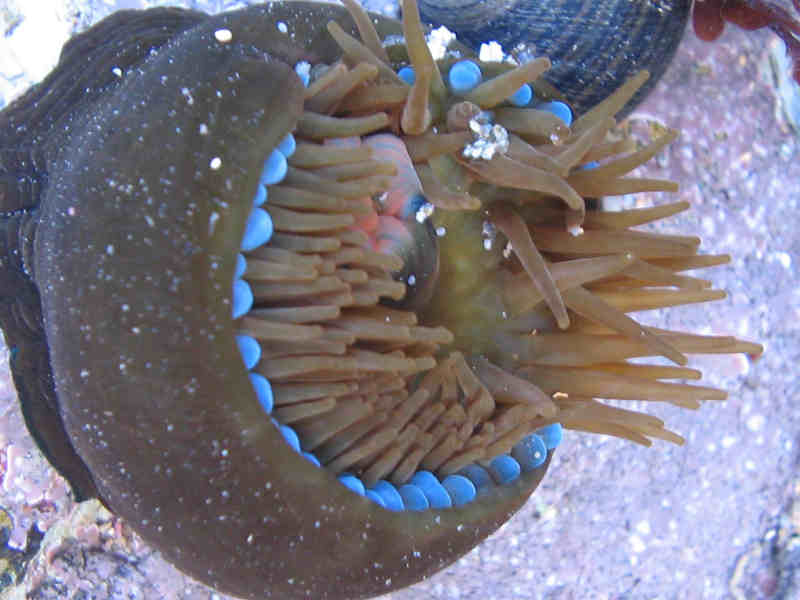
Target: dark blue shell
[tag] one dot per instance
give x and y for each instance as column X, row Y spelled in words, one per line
column 595, row 45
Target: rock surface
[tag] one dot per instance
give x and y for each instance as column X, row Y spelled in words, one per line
column 716, row 518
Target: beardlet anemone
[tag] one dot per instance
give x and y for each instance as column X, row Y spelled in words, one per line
column 420, row 297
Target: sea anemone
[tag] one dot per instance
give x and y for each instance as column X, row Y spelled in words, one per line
column 520, row 295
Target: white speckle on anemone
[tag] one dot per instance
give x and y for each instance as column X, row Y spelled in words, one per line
column 491, row 52
column 438, row 40
column 424, row 212
column 223, row 36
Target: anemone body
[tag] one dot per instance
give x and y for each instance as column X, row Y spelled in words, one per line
column 134, row 272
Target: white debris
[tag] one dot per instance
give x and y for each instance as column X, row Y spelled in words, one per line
column 223, row 36
column 488, row 138
column 491, row 52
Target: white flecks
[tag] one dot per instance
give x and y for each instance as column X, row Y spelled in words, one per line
column 136, row 330
column 213, row 219
column 71, row 211
column 223, row 36
column 637, row 545
column 282, row 27
column 489, row 234
column 84, row 373
column 438, row 40
column 203, row 129
column 110, row 249
column 380, row 199
column 116, row 71
column 488, row 139
column 575, row 230
column 491, row 52
column 784, row 259
column 303, row 70
column 250, row 539
column 149, row 220
column 728, row 441
column 441, row 231
column 708, row 226
column 215, row 163
column 125, row 307
column 187, row 94
column 412, row 279
column 643, row 527
column 755, row 423
column 424, row 212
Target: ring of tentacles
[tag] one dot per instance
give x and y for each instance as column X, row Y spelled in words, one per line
column 423, row 299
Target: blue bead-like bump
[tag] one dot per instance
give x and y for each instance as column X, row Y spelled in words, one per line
column 287, row 145
column 434, row 491
column 479, row 476
column 250, row 350
column 464, row 76
column 258, row 230
column 263, row 391
column 413, row 498
column 242, row 298
column 504, row 469
column 275, row 168
column 241, row 266
column 391, row 497
column 290, row 436
column 376, row 498
column 311, row 458
column 353, row 483
column 261, row 195
column 530, row 452
column 551, row 435
column 407, row 74
column 522, row 96
column 559, row 109
column 462, row 491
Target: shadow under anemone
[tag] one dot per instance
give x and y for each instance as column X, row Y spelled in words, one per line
column 421, row 300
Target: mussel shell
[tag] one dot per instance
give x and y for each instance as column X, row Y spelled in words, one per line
column 134, row 259
column 594, row 45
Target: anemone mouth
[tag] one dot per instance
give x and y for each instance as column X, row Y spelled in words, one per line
column 520, row 295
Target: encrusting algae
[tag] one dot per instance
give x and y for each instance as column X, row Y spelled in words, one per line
column 520, row 294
